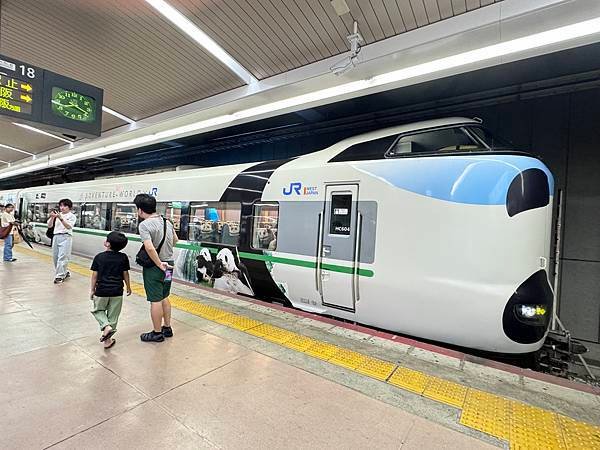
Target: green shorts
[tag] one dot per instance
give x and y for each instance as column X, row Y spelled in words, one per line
column 155, row 285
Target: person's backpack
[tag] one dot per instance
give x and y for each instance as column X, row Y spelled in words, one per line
column 142, row 258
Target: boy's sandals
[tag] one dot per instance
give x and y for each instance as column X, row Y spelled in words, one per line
column 107, row 335
column 113, row 342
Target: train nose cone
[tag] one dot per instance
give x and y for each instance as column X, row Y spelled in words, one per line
column 527, row 314
column 530, row 189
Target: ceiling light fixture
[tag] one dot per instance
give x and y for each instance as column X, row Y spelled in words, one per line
column 554, row 36
column 45, row 133
column 16, row 149
column 107, row 110
column 200, row 37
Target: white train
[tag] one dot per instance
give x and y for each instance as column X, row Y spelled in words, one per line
column 430, row 229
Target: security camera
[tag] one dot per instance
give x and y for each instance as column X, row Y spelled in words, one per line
column 343, row 66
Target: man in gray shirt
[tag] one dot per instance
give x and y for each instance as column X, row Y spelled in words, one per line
column 156, row 283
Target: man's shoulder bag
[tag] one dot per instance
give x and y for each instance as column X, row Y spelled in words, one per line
column 50, row 230
column 5, row 231
column 142, row 258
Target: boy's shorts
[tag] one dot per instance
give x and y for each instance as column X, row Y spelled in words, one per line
column 155, row 285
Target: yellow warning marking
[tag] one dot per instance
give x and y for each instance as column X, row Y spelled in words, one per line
column 412, row 380
column 524, row 426
column 579, row 435
column 322, row 350
column 376, row 368
column 487, row 412
column 348, row 358
column 271, row 333
column 300, row 343
column 238, row 322
column 534, row 428
column 447, row 392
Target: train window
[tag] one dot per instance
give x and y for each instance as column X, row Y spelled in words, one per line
column 172, row 211
column 93, row 215
column 37, row 212
column 76, row 209
column 264, row 226
column 341, row 214
column 489, row 139
column 124, row 218
column 442, row 140
column 374, row 149
column 217, row 222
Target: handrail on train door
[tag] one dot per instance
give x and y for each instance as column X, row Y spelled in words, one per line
column 319, row 255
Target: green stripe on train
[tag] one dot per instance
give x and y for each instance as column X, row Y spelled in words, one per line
column 274, row 259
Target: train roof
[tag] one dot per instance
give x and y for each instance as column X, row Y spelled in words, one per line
column 316, row 158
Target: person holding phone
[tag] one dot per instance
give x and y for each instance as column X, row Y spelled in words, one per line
column 62, row 242
column 6, row 218
column 156, row 232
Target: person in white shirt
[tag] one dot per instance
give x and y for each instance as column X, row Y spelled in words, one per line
column 6, row 218
column 62, row 242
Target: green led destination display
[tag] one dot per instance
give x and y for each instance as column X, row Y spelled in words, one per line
column 48, row 100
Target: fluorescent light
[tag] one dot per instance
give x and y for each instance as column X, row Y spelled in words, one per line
column 45, row 133
column 107, row 110
column 188, row 27
column 16, row 149
column 557, row 35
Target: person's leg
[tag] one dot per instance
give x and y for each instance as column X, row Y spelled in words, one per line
column 8, row 240
column 153, row 285
column 114, row 310
column 99, row 306
column 166, row 307
column 68, row 249
column 156, row 312
column 54, row 253
column 63, row 243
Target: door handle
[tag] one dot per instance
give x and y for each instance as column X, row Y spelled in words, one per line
column 326, row 249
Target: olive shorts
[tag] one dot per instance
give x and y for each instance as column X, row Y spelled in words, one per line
column 155, row 285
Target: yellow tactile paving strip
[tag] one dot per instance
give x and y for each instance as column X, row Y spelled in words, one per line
column 522, row 425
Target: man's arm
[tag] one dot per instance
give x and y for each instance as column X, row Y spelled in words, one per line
column 127, row 282
column 94, row 282
column 153, row 254
column 67, row 223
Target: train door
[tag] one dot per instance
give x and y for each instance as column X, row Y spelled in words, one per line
column 338, row 247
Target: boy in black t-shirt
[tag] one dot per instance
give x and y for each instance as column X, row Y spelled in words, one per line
column 109, row 269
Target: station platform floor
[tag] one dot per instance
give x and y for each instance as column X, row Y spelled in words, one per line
column 245, row 374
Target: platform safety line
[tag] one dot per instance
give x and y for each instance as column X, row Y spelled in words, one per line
column 522, row 425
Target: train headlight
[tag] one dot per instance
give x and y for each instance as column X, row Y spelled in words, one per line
column 531, row 312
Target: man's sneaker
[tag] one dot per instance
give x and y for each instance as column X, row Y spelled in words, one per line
column 59, row 280
column 152, row 336
column 67, row 275
column 167, row 331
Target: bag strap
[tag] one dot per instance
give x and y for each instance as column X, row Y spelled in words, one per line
column 164, row 236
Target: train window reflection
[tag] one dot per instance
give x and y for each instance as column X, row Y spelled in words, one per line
column 93, row 215
column 264, row 226
column 171, row 211
column 217, row 222
column 37, row 212
column 124, row 218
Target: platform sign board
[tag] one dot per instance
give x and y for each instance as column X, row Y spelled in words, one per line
column 49, row 100
column 20, row 90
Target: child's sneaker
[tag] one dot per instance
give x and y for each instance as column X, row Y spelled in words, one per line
column 167, row 332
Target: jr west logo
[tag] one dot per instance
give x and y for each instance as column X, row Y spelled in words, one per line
column 297, row 189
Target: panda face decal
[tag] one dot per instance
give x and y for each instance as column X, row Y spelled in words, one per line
column 225, row 257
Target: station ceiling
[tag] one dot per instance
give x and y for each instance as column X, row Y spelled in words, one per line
column 147, row 66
